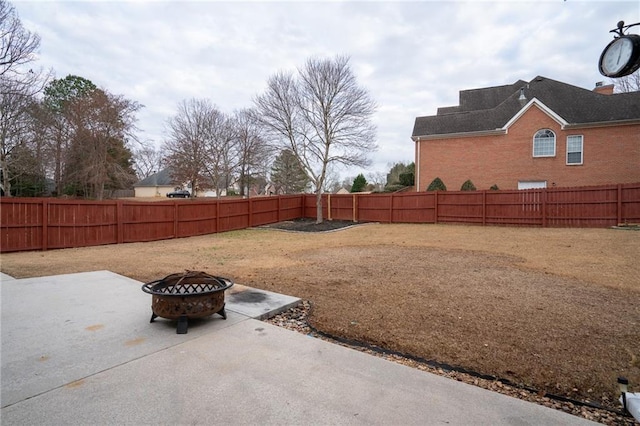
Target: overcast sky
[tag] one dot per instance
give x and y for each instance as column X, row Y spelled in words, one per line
column 413, row 57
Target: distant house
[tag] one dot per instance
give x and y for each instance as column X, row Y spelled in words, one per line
column 533, row 134
column 344, row 190
column 272, row 189
column 156, row 185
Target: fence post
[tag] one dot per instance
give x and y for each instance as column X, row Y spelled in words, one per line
column 391, row 209
column 544, row 207
column 355, row 208
column 329, row 206
column 119, row 223
column 45, row 224
column 279, row 207
column 619, row 208
column 250, row 212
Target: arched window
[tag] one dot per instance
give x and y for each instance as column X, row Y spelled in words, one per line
column 544, row 143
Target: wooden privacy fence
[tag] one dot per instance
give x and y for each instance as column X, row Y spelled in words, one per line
column 585, row 207
column 49, row 223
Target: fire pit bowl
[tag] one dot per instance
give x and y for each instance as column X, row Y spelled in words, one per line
column 191, row 294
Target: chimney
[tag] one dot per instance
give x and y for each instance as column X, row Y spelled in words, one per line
column 602, row 89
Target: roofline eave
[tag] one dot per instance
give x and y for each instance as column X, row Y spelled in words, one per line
column 608, row 123
column 494, row 132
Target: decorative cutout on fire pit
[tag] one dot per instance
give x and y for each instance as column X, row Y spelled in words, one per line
column 192, row 294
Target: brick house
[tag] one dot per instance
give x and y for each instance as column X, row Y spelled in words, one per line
column 542, row 133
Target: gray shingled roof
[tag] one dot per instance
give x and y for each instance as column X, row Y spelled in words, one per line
column 161, row 178
column 491, row 108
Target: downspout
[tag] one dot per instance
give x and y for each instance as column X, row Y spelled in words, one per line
column 417, row 176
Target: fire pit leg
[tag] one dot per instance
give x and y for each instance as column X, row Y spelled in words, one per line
column 222, row 312
column 183, row 324
column 153, row 317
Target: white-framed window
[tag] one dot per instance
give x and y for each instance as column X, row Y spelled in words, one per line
column 532, row 184
column 544, row 143
column 574, row 150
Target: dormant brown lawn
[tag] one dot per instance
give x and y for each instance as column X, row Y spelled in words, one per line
column 555, row 309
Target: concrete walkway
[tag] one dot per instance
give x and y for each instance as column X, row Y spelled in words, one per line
column 78, row 349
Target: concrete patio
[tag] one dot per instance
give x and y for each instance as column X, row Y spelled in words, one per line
column 78, row 349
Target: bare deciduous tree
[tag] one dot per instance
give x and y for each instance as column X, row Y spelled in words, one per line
column 322, row 115
column 59, row 95
column 209, row 149
column 18, row 88
column 378, row 180
column 18, row 108
column 221, row 159
column 332, row 180
column 189, row 132
column 148, row 160
column 15, row 104
column 253, row 153
column 626, row 84
column 18, row 45
column 98, row 158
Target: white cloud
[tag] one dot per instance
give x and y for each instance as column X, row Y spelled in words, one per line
column 413, row 56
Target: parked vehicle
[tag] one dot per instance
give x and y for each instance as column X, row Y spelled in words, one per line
column 179, row 193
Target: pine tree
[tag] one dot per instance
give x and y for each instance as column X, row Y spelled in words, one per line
column 359, row 183
column 287, row 174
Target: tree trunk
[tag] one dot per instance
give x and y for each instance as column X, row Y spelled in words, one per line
column 242, row 184
column 100, row 191
column 58, row 169
column 6, row 179
column 319, row 206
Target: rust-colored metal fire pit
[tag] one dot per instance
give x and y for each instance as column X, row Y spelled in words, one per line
column 191, row 294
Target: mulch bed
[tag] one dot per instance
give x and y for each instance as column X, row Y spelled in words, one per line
column 310, row 225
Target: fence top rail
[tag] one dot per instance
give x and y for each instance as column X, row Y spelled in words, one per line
column 172, row 201
column 226, row 200
column 53, row 200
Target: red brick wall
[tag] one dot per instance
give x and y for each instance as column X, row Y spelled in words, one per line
column 610, row 155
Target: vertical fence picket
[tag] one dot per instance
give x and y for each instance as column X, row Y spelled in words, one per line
column 619, row 205
column 119, row 221
column 544, row 208
column 217, row 216
column 175, row 220
column 391, row 209
column 484, row 207
column 45, row 224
